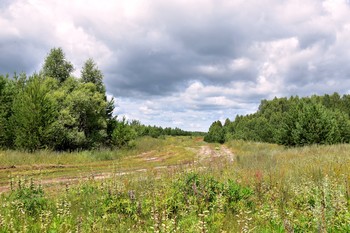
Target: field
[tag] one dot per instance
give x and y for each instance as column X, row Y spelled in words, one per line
column 178, row 184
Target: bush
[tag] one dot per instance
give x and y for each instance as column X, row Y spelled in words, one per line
column 236, row 194
column 123, row 134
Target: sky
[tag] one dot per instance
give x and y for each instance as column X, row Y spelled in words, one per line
column 187, row 63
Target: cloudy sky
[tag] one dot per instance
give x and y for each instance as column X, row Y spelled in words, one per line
column 186, row 63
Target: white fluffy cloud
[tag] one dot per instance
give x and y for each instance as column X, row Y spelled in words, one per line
column 187, row 63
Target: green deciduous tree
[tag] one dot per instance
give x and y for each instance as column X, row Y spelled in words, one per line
column 295, row 121
column 34, row 112
column 7, row 95
column 56, row 66
column 91, row 73
column 216, row 133
column 123, row 134
column 82, row 116
column 253, row 128
column 55, row 110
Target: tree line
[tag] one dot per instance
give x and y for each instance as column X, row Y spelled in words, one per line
column 52, row 109
column 290, row 121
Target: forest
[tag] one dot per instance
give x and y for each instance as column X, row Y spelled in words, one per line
column 54, row 110
column 294, row 121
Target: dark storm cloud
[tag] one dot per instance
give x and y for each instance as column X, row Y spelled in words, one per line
column 208, row 39
column 162, row 71
column 27, row 60
column 190, row 48
column 327, row 77
column 149, row 73
column 168, row 59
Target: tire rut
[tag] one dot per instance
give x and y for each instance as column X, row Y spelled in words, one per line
column 204, row 154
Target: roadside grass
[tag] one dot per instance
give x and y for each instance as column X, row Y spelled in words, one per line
column 11, row 158
column 16, row 158
column 267, row 188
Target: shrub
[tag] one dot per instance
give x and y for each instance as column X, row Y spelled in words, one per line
column 123, row 134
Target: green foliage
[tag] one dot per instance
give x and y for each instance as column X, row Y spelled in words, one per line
column 216, row 133
column 311, row 124
column 30, row 197
column 54, row 110
column 292, row 122
column 81, row 122
column 123, row 134
column 157, row 131
column 91, row 73
column 122, row 203
column 205, row 192
column 87, row 106
column 252, row 128
column 7, row 95
column 110, row 121
column 192, row 202
column 237, row 194
column 56, row 66
column 34, row 112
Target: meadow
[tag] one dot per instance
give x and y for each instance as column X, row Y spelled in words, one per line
column 178, row 184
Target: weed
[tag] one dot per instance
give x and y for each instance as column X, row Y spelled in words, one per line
column 29, row 198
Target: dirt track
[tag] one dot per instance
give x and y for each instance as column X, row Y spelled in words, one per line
column 205, row 154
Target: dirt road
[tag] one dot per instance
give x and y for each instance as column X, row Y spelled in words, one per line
column 208, row 153
column 205, row 154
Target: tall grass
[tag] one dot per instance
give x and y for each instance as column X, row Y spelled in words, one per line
column 268, row 188
column 11, row 157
